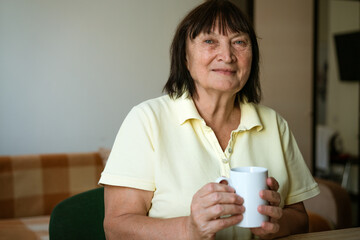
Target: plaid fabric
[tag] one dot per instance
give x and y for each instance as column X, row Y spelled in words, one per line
column 31, row 185
column 33, row 228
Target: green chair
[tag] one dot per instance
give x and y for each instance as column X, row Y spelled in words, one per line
column 79, row 217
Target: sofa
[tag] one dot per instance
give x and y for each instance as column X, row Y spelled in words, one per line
column 32, row 185
column 331, row 209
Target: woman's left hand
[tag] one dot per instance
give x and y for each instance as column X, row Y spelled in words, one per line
column 272, row 210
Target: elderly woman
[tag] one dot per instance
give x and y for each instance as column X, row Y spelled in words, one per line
column 159, row 179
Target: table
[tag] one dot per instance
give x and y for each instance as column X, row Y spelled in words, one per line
column 342, row 234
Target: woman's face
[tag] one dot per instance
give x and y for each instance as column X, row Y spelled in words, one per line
column 219, row 63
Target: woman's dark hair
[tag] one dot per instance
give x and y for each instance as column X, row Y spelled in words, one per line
column 203, row 19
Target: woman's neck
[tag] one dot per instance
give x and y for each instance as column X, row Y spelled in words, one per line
column 222, row 114
column 218, row 109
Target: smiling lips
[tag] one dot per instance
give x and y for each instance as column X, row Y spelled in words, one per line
column 224, row 71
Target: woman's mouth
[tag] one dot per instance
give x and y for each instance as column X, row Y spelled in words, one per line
column 225, row 71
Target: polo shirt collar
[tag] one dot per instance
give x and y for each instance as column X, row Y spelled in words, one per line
column 186, row 110
column 249, row 118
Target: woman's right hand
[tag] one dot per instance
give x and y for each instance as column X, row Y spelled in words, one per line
column 210, row 203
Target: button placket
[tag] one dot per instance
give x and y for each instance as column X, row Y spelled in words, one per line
column 229, row 150
column 225, row 160
column 223, row 156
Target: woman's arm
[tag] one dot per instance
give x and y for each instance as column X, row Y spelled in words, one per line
column 126, row 214
column 292, row 219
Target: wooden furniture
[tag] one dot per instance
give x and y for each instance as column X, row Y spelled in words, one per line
column 342, row 234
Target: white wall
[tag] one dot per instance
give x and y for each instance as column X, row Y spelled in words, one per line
column 71, row 70
column 343, row 97
column 285, row 31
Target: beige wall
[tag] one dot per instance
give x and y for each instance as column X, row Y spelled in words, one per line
column 285, row 31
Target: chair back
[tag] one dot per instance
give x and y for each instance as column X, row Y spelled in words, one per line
column 79, row 217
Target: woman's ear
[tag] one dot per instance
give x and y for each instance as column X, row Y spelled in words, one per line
column 186, row 60
column 186, row 53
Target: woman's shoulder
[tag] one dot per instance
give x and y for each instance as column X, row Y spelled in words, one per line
column 264, row 109
column 267, row 113
column 155, row 107
column 156, row 104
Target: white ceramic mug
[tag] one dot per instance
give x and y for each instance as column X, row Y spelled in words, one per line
column 248, row 182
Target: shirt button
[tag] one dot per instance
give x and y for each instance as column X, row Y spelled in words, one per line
column 225, row 160
column 230, row 150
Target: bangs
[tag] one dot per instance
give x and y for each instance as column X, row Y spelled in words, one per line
column 217, row 14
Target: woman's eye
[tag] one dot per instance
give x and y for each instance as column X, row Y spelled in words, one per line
column 240, row 42
column 209, row 41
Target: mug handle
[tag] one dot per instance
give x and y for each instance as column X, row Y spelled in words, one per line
column 227, row 180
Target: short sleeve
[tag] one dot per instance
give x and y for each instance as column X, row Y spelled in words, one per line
column 130, row 163
column 301, row 182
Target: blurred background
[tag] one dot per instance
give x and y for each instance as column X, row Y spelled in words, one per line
column 70, row 71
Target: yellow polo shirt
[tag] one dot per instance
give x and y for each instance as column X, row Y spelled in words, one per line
column 164, row 146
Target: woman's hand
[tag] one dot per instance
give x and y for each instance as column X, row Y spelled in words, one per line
column 208, row 205
column 268, row 229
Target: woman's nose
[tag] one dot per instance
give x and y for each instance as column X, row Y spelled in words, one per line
column 225, row 53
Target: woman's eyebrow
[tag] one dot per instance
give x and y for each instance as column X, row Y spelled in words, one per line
column 230, row 34
column 239, row 34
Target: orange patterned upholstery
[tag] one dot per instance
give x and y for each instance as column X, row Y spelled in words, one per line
column 31, row 185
